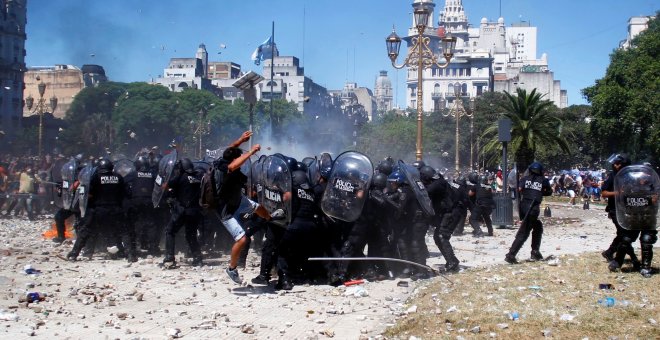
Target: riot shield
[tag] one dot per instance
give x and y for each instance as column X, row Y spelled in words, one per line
column 637, row 188
column 256, row 182
column 84, row 177
column 124, row 167
column 348, row 186
column 277, row 182
column 246, row 169
column 68, row 172
column 412, row 176
column 314, row 172
column 202, row 166
column 165, row 170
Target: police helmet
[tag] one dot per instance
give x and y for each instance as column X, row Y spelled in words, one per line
column 396, row 177
column 379, row 181
column 483, row 179
column 187, row 166
column 385, row 167
column 291, row 163
column 302, row 166
column 536, row 168
column 141, row 163
column 105, row 165
column 325, row 166
column 427, row 173
column 620, row 158
column 299, row 179
column 473, row 178
column 418, row 164
column 155, row 160
column 308, row 161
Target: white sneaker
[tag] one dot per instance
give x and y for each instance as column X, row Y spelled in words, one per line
column 278, row 214
column 233, row 275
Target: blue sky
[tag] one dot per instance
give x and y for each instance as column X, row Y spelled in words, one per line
column 336, row 40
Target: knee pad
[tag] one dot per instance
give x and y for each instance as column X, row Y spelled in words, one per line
column 626, row 240
column 649, row 238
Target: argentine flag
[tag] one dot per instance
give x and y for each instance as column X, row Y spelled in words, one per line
column 264, row 51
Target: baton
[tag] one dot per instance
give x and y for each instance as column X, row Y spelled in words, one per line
column 434, row 271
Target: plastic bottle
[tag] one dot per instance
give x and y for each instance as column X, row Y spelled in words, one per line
column 607, row 302
column 7, row 316
column 34, row 297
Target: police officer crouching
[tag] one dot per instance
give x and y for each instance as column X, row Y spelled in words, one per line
column 185, row 211
column 104, row 212
column 532, row 188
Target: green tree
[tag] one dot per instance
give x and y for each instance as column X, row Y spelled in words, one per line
column 625, row 102
column 88, row 120
column 533, row 126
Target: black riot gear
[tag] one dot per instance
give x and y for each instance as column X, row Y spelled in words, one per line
column 105, row 165
column 142, row 163
column 302, row 166
column 385, row 167
column 620, row 158
column 153, row 161
column 532, row 188
column 299, row 179
column 418, row 164
column 473, row 178
column 427, row 174
column 379, row 181
column 187, row 166
column 292, row 163
column 536, row 168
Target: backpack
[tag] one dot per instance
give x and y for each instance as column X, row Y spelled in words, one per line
column 211, row 185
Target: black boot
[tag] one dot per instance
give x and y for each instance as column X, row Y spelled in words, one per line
column 283, row 283
column 515, row 248
column 647, row 259
column 537, row 235
column 448, row 253
column 619, row 256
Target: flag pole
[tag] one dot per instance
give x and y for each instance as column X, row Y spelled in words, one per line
column 272, row 73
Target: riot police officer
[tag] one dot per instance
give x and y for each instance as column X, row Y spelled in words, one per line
column 185, row 211
column 402, row 216
column 139, row 208
column 461, row 189
column 532, row 188
column 622, row 243
column 483, row 204
column 446, row 212
column 104, row 212
column 301, row 237
column 371, row 229
column 67, row 191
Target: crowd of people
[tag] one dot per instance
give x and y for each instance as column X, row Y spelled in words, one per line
column 295, row 210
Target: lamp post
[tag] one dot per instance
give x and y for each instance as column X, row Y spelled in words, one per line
column 420, row 57
column 203, row 127
column 458, row 111
column 40, row 109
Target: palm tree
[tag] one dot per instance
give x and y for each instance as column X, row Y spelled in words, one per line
column 533, row 126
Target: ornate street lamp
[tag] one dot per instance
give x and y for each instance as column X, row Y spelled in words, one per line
column 40, row 109
column 420, row 57
column 458, row 111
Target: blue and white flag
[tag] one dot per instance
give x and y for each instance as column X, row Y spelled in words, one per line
column 264, row 51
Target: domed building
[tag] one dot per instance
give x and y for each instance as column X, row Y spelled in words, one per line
column 489, row 57
column 383, row 93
